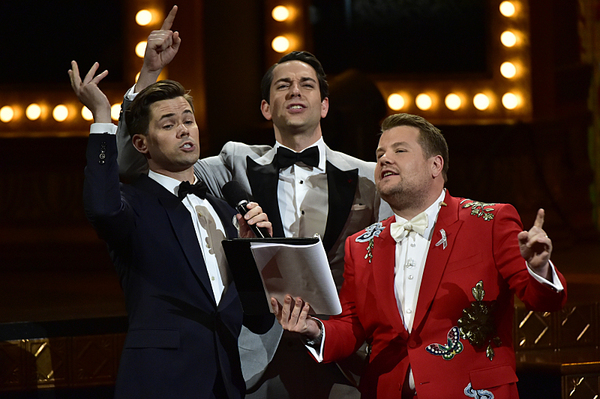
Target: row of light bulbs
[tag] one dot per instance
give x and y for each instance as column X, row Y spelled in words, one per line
column 62, row 112
column 424, row 101
column 396, row 101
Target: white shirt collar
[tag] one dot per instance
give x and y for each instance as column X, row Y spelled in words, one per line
column 171, row 184
column 432, row 214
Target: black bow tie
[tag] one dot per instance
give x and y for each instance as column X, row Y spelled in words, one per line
column 286, row 157
column 199, row 189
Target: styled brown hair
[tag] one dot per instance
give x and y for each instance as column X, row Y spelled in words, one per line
column 137, row 116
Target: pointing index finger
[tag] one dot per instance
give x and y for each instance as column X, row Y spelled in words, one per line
column 539, row 219
column 168, row 22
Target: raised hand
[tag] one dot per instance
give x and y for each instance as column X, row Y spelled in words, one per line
column 161, row 48
column 536, row 246
column 89, row 93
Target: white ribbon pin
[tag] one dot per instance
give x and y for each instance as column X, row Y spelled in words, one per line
column 443, row 242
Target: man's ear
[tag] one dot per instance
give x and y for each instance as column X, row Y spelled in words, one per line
column 265, row 108
column 437, row 165
column 324, row 107
column 139, row 142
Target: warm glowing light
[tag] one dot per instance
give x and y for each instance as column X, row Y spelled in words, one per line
column 115, row 111
column 280, row 44
column 60, row 113
column 33, row 111
column 137, row 76
column 86, row 114
column 6, row 114
column 508, row 38
column 143, row 17
column 507, row 8
column 453, row 101
column 140, row 49
column 508, row 70
column 423, row 101
column 395, row 101
column 481, row 101
column 510, row 101
column 280, row 13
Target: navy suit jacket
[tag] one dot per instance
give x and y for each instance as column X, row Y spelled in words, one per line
column 179, row 338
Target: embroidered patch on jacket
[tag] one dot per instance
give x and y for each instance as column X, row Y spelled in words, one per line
column 477, row 324
column 479, row 209
column 478, row 393
column 452, row 348
column 369, row 235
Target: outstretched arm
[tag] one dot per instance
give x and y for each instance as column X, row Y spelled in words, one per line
column 162, row 47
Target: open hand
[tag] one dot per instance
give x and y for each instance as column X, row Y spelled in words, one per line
column 89, row 93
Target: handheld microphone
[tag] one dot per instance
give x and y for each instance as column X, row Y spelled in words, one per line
column 237, row 198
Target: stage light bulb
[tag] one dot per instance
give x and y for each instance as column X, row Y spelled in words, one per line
column 6, row 114
column 395, row 101
column 481, row 101
column 507, row 8
column 510, row 101
column 423, row 101
column 115, row 111
column 280, row 44
column 86, row 114
column 60, row 113
column 280, row 13
column 453, row 102
column 508, row 70
column 143, row 17
column 140, row 49
column 508, row 38
column 33, row 111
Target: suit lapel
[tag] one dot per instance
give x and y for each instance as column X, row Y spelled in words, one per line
column 437, row 257
column 383, row 268
column 263, row 181
column 341, row 189
column 182, row 226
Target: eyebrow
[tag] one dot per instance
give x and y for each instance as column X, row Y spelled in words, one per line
column 303, row 79
column 187, row 111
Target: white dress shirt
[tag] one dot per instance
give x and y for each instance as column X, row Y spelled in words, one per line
column 302, row 194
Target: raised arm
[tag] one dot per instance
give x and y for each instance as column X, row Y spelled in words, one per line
column 536, row 247
column 163, row 45
column 89, row 93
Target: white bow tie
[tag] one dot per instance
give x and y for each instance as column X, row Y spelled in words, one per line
column 400, row 230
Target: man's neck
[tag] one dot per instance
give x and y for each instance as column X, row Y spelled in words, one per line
column 298, row 141
column 409, row 211
column 184, row 175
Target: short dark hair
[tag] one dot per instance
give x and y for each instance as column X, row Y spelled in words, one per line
column 304, row 56
column 430, row 138
column 137, row 116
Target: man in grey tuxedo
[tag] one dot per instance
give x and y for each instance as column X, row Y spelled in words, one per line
column 306, row 189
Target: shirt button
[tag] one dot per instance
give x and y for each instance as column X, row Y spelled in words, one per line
column 302, row 212
column 410, row 277
column 301, row 181
column 412, row 244
column 409, row 311
column 212, row 278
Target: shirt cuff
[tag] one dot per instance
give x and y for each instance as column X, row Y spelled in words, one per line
column 315, row 346
column 101, row 128
column 554, row 283
column 130, row 95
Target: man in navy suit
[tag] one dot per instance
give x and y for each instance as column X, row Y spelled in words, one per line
column 165, row 239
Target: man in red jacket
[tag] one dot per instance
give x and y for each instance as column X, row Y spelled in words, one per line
column 432, row 287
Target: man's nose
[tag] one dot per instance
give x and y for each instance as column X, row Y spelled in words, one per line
column 182, row 130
